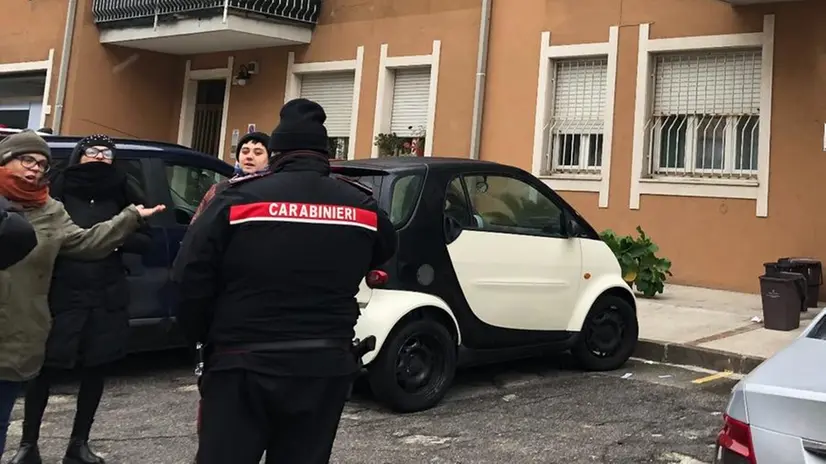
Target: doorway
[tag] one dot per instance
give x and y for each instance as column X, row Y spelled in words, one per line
column 207, row 117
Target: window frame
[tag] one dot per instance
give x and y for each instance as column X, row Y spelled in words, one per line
column 746, row 189
column 552, row 165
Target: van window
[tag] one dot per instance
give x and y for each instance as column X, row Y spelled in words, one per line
column 187, row 186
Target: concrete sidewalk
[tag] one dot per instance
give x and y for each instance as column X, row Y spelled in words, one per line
column 709, row 328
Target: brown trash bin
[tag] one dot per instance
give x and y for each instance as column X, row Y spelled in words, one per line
column 784, row 296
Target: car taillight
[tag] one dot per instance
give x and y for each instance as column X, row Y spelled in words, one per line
column 376, row 278
column 734, row 442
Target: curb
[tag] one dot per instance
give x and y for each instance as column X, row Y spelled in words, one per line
column 688, row 355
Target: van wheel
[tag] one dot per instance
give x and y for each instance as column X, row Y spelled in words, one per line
column 415, row 367
column 608, row 336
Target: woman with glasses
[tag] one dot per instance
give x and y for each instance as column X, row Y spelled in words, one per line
column 25, row 158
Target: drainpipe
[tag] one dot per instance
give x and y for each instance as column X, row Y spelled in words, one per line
column 481, row 67
column 63, row 74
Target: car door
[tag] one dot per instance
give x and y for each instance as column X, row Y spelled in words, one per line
column 515, row 265
column 147, row 273
column 185, row 184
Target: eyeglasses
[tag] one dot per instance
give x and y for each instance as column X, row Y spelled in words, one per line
column 29, row 162
column 93, row 152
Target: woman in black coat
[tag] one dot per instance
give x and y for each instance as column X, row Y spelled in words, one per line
column 88, row 299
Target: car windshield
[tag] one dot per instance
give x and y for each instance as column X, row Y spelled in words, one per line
column 404, row 194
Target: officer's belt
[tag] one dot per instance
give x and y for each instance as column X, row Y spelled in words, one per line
column 290, row 345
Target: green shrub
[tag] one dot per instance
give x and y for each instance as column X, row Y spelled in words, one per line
column 641, row 267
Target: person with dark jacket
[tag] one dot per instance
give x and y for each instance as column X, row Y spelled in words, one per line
column 253, row 159
column 267, row 280
column 17, row 237
column 88, row 299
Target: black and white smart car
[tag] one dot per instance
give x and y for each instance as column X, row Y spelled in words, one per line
column 492, row 265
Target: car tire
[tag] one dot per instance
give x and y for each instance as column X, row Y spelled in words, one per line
column 425, row 353
column 608, row 336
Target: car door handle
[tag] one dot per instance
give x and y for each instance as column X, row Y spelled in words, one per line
column 813, row 447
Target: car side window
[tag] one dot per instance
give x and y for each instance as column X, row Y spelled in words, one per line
column 187, row 186
column 456, row 206
column 506, row 204
column 404, row 197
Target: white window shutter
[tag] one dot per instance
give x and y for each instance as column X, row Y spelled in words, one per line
column 334, row 92
column 579, row 95
column 718, row 83
column 411, row 92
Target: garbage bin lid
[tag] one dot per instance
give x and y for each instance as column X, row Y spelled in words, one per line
column 799, row 260
column 783, row 277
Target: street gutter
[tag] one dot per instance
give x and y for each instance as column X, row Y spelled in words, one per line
column 687, row 355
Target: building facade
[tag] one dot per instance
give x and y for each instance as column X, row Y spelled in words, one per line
column 700, row 120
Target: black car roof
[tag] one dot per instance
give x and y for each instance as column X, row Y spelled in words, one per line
column 141, row 148
column 401, row 163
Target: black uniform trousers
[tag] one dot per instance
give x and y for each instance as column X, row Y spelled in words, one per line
column 293, row 419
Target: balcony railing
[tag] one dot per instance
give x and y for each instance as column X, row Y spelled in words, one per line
column 136, row 13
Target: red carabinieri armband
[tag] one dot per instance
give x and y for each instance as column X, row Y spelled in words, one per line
column 307, row 213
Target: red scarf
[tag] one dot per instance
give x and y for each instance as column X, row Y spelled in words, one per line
column 20, row 191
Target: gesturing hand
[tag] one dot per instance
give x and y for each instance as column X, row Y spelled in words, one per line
column 146, row 212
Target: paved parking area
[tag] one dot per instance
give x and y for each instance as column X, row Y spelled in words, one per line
column 531, row 411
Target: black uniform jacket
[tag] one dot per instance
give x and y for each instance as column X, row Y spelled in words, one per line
column 280, row 258
column 17, row 237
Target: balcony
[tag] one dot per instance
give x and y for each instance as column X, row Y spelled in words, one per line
column 185, row 27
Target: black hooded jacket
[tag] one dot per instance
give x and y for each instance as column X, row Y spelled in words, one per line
column 92, row 293
column 280, row 258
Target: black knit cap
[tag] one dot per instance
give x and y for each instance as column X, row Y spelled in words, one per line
column 95, row 140
column 301, row 128
column 258, row 137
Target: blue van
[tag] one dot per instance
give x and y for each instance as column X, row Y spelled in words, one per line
column 173, row 175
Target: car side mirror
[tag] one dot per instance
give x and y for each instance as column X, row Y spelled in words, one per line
column 452, row 229
column 572, row 228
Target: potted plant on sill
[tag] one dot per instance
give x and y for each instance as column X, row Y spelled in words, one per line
column 388, row 144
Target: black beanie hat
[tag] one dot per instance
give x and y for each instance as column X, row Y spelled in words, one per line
column 258, row 137
column 96, row 140
column 301, row 128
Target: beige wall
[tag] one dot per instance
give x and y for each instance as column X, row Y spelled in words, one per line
column 713, row 242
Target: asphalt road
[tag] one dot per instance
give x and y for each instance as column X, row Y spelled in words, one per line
column 531, row 411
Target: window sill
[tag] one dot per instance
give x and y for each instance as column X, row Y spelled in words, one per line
column 711, row 188
column 573, row 182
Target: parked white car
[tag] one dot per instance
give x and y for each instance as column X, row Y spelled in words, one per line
column 492, row 265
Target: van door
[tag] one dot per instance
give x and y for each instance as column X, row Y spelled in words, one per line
column 184, row 185
column 147, row 273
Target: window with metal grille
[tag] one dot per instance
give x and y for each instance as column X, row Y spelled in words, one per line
column 705, row 114
column 334, row 92
column 575, row 129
